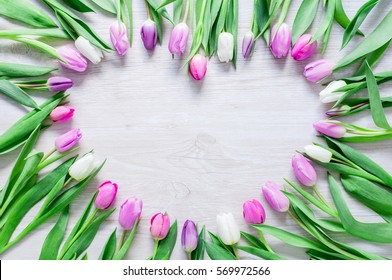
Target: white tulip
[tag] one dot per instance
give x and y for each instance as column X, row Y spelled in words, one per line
column 318, row 153
column 83, row 167
column 228, row 230
column 328, row 95
column 225, row 47
column 87, row 49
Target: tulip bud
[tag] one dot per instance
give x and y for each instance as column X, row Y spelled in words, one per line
column 302, row 49
column 228, row 230
column 130, row 213
column 83, row 167
column 119, row 37
column 198, row 67
column 57, row 84
column 159, row 226
column 329, row 94
column 149, row 34
column 253, row 212
column 330, row 128
column 62, row 113
column 74, row 59
column 189, row 236
column 179, row 39
column 275, row 198
column 318, row 70
column 340, row 111
column 225, row 47
column 68, row 140
column 280, row 41
column 88, row 50
column 247, row 43
column 303, row 170
column 107, row 192
column 318, row 153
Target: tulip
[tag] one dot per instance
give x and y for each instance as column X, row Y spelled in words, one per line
column 253, row 212
column 119, row 37
column 345, row 109
column 88, row 50
column 228, row 230
column 107, row 192
column 275, row 198
column 73, row 59
column 303, row 170
column 247, row 43
column 83, row 167
column 329, row 94
column 62, row 113
column 198, row 67
column 149, row 34
column 302, row 49
column 159, row 226
column 330, row 128
column 179, row 39
column 130, row 213
column 225, row 47
column 318, row 70
column 189, row 236
column 57, row 84
column 318, row 153
column 68, row 140
column 280, row 41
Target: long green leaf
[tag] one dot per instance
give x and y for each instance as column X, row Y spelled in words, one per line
column 198, row 253
column 39, row 46
column 15, row 93
column 79, row 6
column 372, row 58
column 216, row 252
column 12, row 70
column 304, row 17
column 177, row 10
column 253, row 241
column 261, row 253
column 125, row 247
column 40, row 32
column 107, row 5
column 328, row 18
column 166, row 246
column 161, row 11
column 109, row 248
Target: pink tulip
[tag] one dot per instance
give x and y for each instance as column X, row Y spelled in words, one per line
column 330, row 128
column 62, row 113
column 160, row 225
column 130, row 213
column 107, row 192
column 253, row 212
column 149, row 34
column 198, row 67
column 275, row 198
column 68, row 140
column 179, row 39
column 280, row 41
column 302, row 49
column 303, row 170
column 57, row 84
column 318, row 70
column 119, row 37
column 74, row 59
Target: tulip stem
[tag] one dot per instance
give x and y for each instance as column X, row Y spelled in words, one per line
column 67, row 182
column 235, row 252
column 262, row 238
column 155, row 248
column 189, row 256
column 186, row 11
column 48, row 155
column 321, row 197
column 118, row 4
column 148, row 10
column 122, row 240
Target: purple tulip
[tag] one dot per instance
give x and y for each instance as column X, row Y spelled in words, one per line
column 179, row 39
column 68, row 140
column 247, row 43
column 74, row 59
column 189, row 236
column 57, row 84
column 302, row 49
column 253, row 212
column 149, row 34
column 303, row 170
column 159, row 226
column 275, row 198
column 107, row 192
column 330, row 128
column 280, row 41
column 62, row 113
column 318, row 70
column 119, row 37
column 198, row 67
column 130, row 213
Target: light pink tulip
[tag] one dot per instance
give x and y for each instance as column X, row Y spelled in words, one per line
column 303, row 170
column 275, row 198
column 330, row 128
column 280, row 41
column 130, row 213
column 73, row 58
column 62, row 113
column 107, row 193
column 318, row 70
column 302, row 49
column 179, row 39
column 68, row 140
column 119, row 37
column 198, row 67
column 160, row 225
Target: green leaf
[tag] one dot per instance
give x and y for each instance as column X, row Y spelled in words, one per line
column 109, row 248
column 328, row 18
column 316, row 255
column 15, row 93
column 217, row 241
column 253, row 241
column 79, row 6
column 39, row 46
column 125, row 247
column 357, row 20
column 40, row 32
column 216, row 252
column 381, row 35
column 166, row 246
column 161, row 11
column 165, row 3
column 12, row 70
column 372, row 58
column 158, row 21
column 233, row 27
column 177, row 10
column 26, row 13
column 304, row 18
column 52, row 242
column 261, row 253
column 198, row 253
column 107, row 5
column 262, row 17
column 341, row 16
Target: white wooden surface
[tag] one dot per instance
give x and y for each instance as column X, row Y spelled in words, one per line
column 193, row 149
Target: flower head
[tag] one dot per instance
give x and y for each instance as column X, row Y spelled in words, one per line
column 90, row 51
column 275, row 198
column 247, row 44
column 57, row 84
column 68, row 140
column 130, row 213
column 318, row 70
column 302, row 49
column 179, row 39
column 189, row 236
column 62, row 113
column 198, row 67
column 74, row 60
column 225, row 47
column 149, row 34
column 107, row 193
column 329, row 94
column 119, row 37
column 303, row 170
column 159, row 226
column 83, row 167
column 280, row 41
column 330, row 128
column 253, row 212
column 318, row 153
column 228, row 230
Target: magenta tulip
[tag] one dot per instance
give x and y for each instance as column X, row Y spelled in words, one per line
column 74, row 60
column 275, row 198
column 130, row 213
column 68, row 140
column 62, row 113
column 247, row 44
column 280, row 41
column 57, row 84
column 119, row 37
column 330, row 128
column 318, row 70
column 198, row 67
column 159, row 226
column 179, row 39
column 253, row 212
column 189, row 236
column 149, row 34
column 302, row 49
column 107, row 193
column 303, row 170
